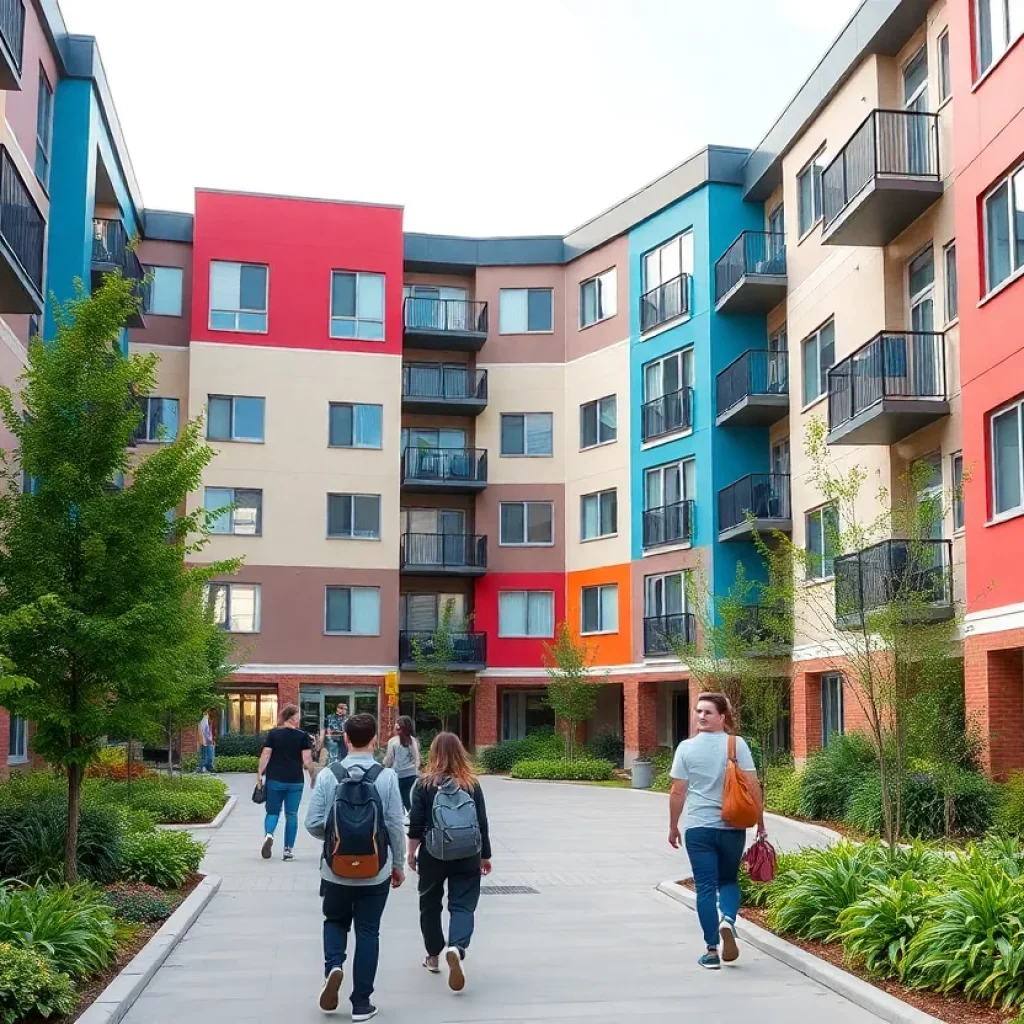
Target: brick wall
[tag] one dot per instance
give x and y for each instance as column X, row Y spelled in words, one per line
column 805, row 716
column 639, row 716
column 994, row 694
column 485, row 713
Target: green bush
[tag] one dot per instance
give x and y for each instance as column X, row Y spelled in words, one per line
column 832, row 775
column 574, row 771
column 607, row 746
column 165, row 859
column 662, row 760
column 138, row 903
column 234, row 744
column 29, row 985
column 169, row 800
column 1009, row 817
column 27, row 788
column 543, row 745
column 224, row 763
column 783, row 791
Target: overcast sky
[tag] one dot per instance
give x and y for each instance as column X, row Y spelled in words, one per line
column 481, row 117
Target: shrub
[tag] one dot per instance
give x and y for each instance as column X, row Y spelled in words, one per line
column 607, row 746
column 112, row 763
column 165, row 859
column 28, row 788
column 1009, row 816
column 169, row 800
column 783, row 791
column 29, row 985
column 756, row 894
column 662, row 760
column 234, row 744
column 574, row 771
column 138, row 903
column 501, row 758
column 832, row 774
column 224, row 763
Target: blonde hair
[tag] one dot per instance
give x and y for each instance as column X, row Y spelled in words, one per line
column 449, row 760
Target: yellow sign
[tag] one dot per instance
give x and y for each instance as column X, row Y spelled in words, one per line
column 392, row 700
column 391, row 684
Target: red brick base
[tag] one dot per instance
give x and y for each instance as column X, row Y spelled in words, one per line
column 805, row 712
column 994, row 693
column 639, row 717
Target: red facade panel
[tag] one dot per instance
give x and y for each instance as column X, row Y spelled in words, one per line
column 514, row 652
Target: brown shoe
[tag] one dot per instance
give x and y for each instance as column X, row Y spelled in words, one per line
column 730, row 950
column 456, row 972
column 329, row 994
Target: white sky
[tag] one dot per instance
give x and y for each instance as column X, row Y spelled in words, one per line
column 481, row 117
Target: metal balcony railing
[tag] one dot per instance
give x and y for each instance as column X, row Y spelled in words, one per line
column 443, row 382
column 12, row 28
column 445, row 465
column 444, row 550
column 763, row 495
column 756, row 372
column 669, row 524
column 467, row 648
column 765, row 625
column 665, row 302
column 661, row 630
column 455, row 315
column 754, row 252
column 110, row 245
column 21, row 223
column 667, row 414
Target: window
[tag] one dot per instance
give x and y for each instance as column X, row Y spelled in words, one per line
column 429, row 437
column 822, row 535
column 234, row 418
column 668, row 261
column 599, row 609
column 238, row 297
column 819, row 352
column 665, row 595
column 1004, row 229
column 667, row 485
column 929, row 497
column 668, row 376
column 44, row 128
column 355, row 426
column 353, row 611
column 945, row 81
column 526, row 523
column 236, row 606
column 526, row 311
column 598, row 422
column 808, row 189
column 353, row 515
column 162, row 293
column 357, row 305
column 957, row 461
column 33, row 327
column 997, row 25
column 1007, row 467
column 237, row 511
column 831, row 706
column 528, row 433
column 599, row 514
column 423, row 613
column 921, row 290
column 251, row 714
column 526, row 613
column 17, row 750
column 159, row 420
column 777, row 231
column 949, row 266
column 597, row 298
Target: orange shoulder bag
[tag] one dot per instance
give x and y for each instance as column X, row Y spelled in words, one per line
column 740, row 806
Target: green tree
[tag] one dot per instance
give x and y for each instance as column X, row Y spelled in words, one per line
column 572, row 692
column 101, row 603
column 433, row 661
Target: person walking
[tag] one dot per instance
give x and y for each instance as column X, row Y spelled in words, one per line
column 348, row 901
column 403, row 754
column 448, row 831
column 287, row 751
column 714, row 847
column 333, row 734
column 207, row 744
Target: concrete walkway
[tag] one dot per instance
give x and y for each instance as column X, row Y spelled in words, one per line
column 595, row 944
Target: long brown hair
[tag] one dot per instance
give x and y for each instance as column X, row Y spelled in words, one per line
column 724, row 707
column 449, row 760
column 288, row 711
column 406, row 730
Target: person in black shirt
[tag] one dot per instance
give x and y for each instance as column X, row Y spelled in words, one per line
column 287, row 750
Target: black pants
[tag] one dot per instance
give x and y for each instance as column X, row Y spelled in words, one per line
column 463, row 878
column 405, row 784
column 361, row 906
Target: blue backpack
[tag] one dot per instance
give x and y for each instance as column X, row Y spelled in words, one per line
column 455, row 827
column 355, row 836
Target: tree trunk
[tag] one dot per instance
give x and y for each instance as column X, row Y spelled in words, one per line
column 71, row 839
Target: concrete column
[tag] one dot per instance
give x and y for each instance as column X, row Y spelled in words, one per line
column 640, row 718
column 994, row 697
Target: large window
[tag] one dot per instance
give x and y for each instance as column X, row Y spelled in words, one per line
column 1007, row 465
column 597, row 298
column 599, row 609
column 949, row 265
column 526, row 311
column 423, row 613
column 355, row 426
column 665, row 486
column 831, row 706
column 1004, row 229
column 159, row 420
column 44, row 128
column 355, row 516
column 353, row 611
column 668, row 261
column 238, row 297
column 236, row 606
column 665, row 595
column 945, row 78
column 527, row 433
column 234, row 418
column 997, row 25
column 957, row 461
column 237, row 510
column 599, row 514
column 598, row 422
column 822, row 530
column 819, row 352
column 669, row 375
column 526, row 613
column 162, row 294
column 17, row 751
column 526, row 523
column 808, row 189
column 357, row 305
column 250, row 713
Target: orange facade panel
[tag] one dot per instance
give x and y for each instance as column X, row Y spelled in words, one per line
column 610, row 643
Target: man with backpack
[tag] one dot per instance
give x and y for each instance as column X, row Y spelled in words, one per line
column 356, row 809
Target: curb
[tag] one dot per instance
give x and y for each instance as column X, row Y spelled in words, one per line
column 117, row 998
column 861, row 993
column 826, row 833
column 216, row 823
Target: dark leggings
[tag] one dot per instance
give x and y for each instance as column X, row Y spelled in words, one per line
column 405, row 784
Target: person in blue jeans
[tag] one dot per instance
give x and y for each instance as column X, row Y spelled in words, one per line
column 287, row 752
column 207, row 748
column 713, row 847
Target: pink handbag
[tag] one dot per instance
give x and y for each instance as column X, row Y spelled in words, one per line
column 760, row 861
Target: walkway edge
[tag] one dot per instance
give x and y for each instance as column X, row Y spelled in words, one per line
column 117, row 998
column 863, row 994
column 216, row 823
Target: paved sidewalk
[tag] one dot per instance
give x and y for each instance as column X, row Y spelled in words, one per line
column 595, row 944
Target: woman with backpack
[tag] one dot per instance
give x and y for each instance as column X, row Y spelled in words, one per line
column 403, row 754
column 448, row 830
column 714, row 844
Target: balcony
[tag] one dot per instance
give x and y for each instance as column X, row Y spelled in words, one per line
column 453, row 325
column 664, row 303
column 443, row 554
column 765, row 629
column 669, row 524
column 882, row 180
column 469, row 651
column 12, row 43
column 753, row 391
column 912, row 578
column 444, row 470
column 661, row 631
column 750, row 277
column 755, row 503
column 443, row 390
column 111, row 251
column 22, row 233
column 670, row 414
column 888, row 389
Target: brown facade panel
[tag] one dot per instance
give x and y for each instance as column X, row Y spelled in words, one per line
column 520, row 558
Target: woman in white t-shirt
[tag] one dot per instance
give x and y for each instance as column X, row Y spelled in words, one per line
column 403, row 754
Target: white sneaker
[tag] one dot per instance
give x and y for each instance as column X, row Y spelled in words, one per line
column 267, row 848
column 730, row 950
column 329, row 994
column 456, row 969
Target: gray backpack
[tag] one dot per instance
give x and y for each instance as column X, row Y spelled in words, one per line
column 455, row 832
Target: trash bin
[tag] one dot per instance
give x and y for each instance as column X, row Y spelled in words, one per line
column 643, row 774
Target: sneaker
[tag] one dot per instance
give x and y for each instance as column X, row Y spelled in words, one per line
column 364, row 1012
column 332, row 987
column 730, row 951
column 456, row 971
column 267, row 848
column 710, row 962
column 431, row 964
column 288, row 855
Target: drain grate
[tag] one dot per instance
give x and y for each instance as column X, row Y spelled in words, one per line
column 508, row 890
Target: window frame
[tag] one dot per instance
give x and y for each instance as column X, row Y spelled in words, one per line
column 333, row 317
column 1009, row 34
column 238, row 312
column 651, row 580
column 601, row 630
column 1018, row 509
column 146, row 425
column 526, row 503
column 945, row 68
column 229, row 586
column 603, row 534
column 235, row 438
column 525, row 454
column 349, row 587
column 527, row 635
column 539, row 288
column 600, row 285
column 351, row 495
column 597, row 404
column 956, row 470
column 677, row 240
column 331, row 406
column 1012, row 241
column 231, row 531
column 831, row 679
column 951, row 299
column 816, row 163
column 822, row 374
column 147, row 292
column 825, row 556
column 17, row 727
column 44, row 146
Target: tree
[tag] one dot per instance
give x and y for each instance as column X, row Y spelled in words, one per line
column 572, row 692
column 433, row 660
column 100, row 607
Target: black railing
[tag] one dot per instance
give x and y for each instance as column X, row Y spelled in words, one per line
column 12, row 28
column 891, row 365
column 754, row 252
column 467, row 648
column 907, row 575
column 662, row 632
column 457, row 315
column 756, row 372
column 764, row 626
column 21, row 224
column 445, row 465
column 444, row 550
column 667, row 414
column 445, row 382
column 110, row 245
column 902, row 143
column 665, row 302
column 763, row 495
column 669, row 524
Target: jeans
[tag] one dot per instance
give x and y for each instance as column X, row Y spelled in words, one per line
column 715, row 855
column 290, row 794
column 362, row 905
column 463, row 878
column 405, row 784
